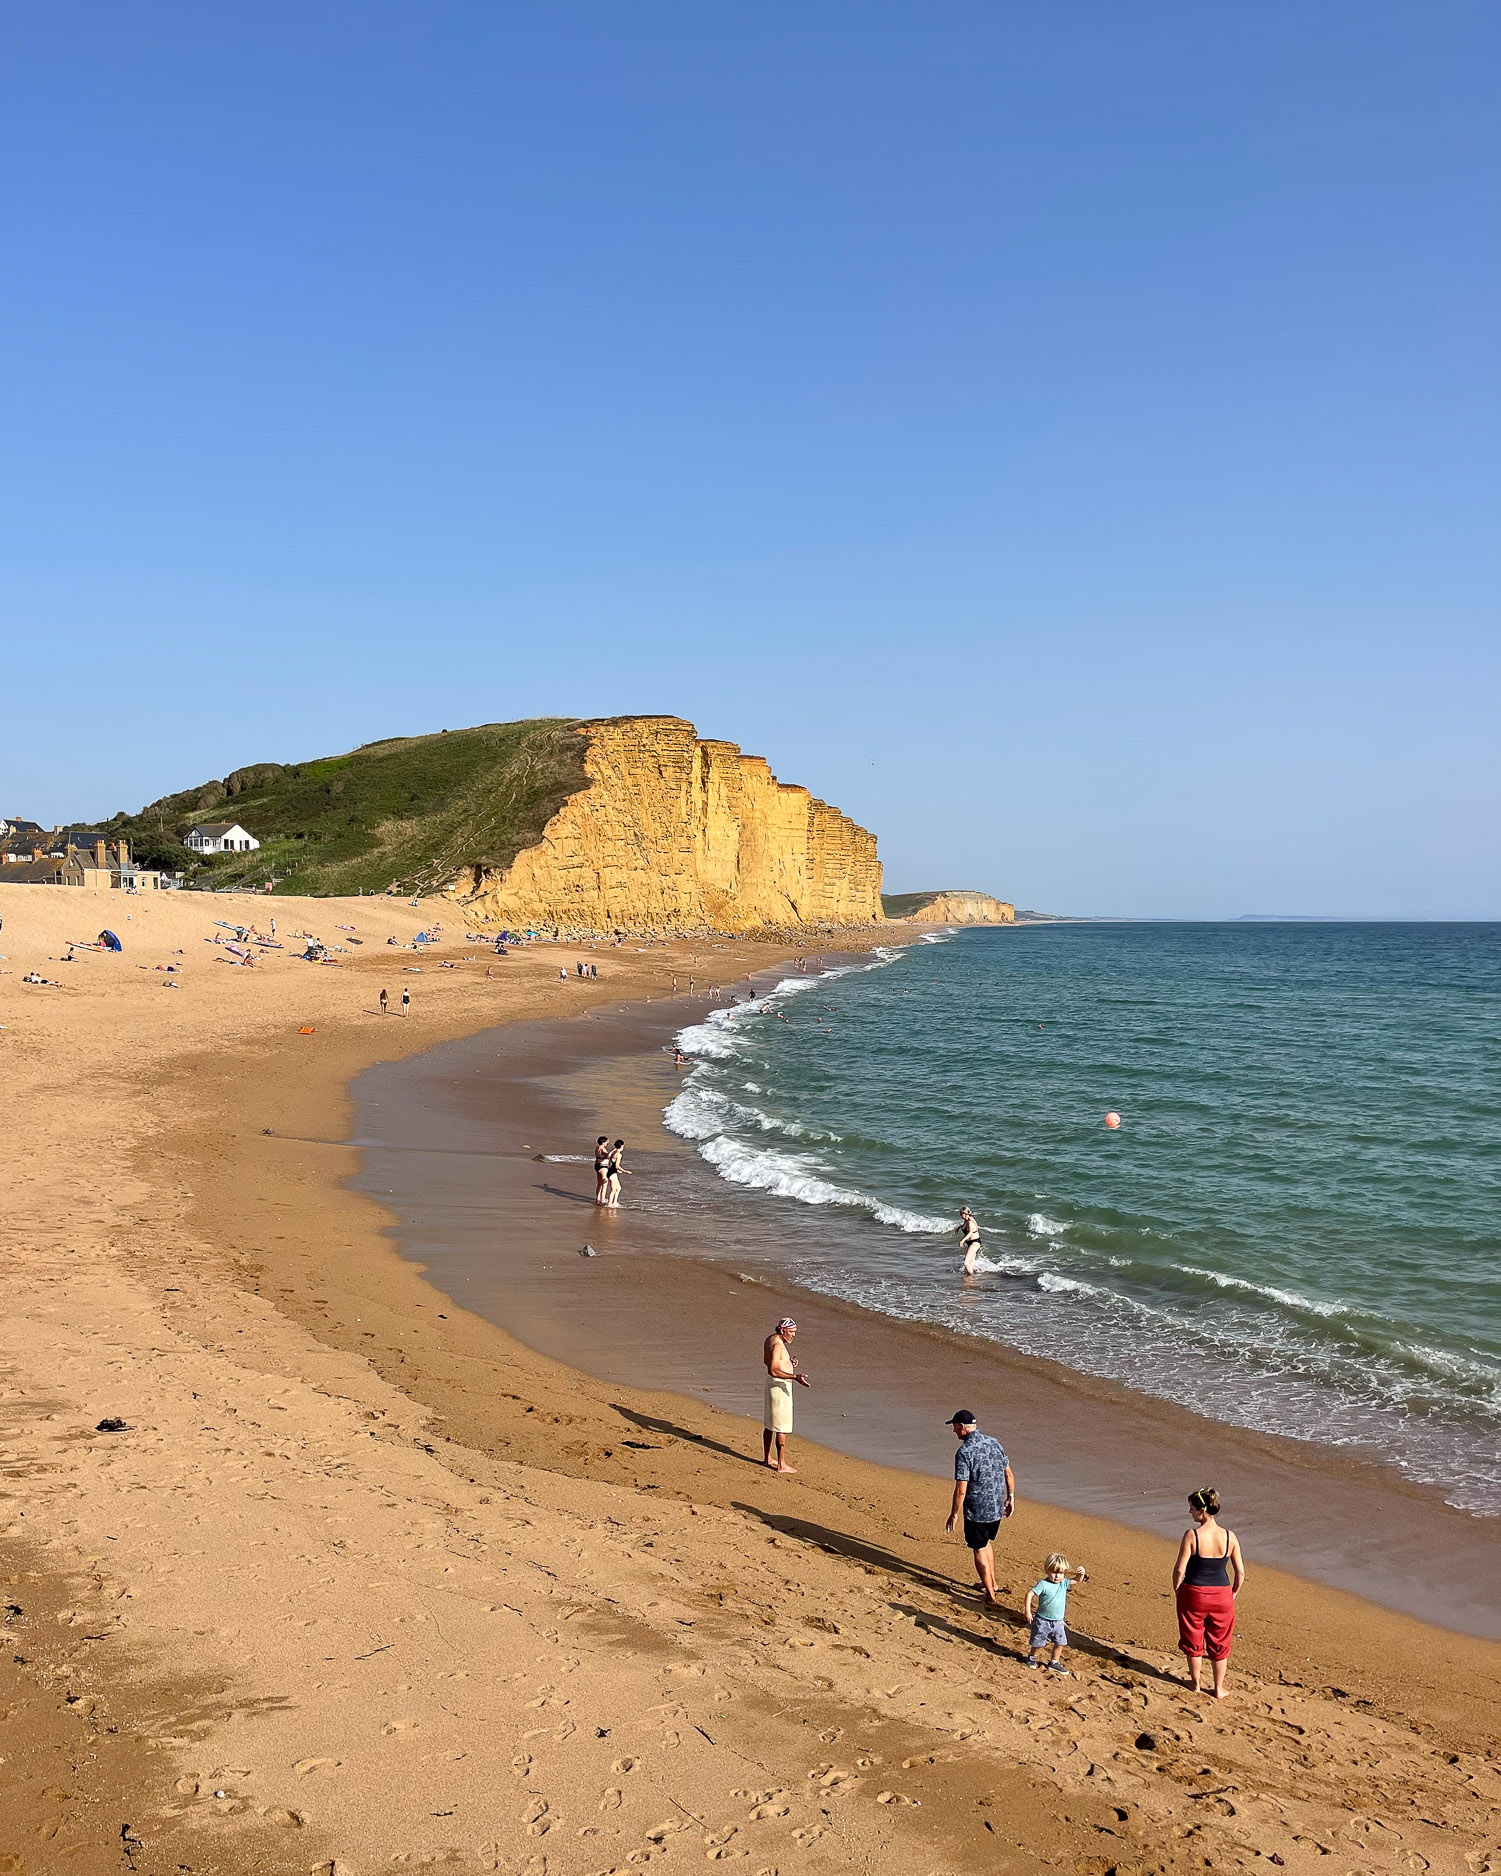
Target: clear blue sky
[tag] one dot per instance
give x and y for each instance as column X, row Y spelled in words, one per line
column 1066, row 437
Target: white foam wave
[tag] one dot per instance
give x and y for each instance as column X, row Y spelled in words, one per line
column 712, row 1038
column 1289, row 1299
column 1006, row 1266
column 698, row 1112
column 568, row 1159
column 1041, row 1226
column 798, row 1176
column 1050, row 1280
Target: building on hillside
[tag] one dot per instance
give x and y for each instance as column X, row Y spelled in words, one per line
column 17, row 828
column 221, row 837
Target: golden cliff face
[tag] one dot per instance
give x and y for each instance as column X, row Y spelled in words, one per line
column 965, row 908
column 674, row 834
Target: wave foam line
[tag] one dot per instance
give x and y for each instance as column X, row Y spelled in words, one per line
column 795, row 1176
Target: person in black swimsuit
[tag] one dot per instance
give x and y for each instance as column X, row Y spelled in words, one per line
column 1207, row 1577
column 969, row 1234
column 601, row 1169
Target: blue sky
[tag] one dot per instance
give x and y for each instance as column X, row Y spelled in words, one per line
column 1066, row 438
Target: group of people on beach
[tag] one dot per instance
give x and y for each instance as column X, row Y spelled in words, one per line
column 1208, row 1571
column 609, row 1169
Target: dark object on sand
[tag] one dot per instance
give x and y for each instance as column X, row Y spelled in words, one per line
column 589, row 1251
column 112, row 1425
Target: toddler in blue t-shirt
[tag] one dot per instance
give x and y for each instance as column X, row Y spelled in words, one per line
column 1046, row 1603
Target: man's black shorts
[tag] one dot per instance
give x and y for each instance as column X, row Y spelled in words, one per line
column 977, row 1536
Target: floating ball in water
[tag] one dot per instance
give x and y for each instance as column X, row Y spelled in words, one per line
column 1112, row 1120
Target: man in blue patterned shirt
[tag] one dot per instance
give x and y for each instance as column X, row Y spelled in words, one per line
column 984, row 1494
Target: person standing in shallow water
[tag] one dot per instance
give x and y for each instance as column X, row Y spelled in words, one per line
column 969, row 1234
column 782, row 1375
column 614, row 1172
column 1207, row 1577
column 601, row 1169
column 984, row 1495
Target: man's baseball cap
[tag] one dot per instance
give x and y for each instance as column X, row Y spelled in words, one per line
column 964, row 1418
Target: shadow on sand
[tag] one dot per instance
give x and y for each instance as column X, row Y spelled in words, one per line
column 876, row 1557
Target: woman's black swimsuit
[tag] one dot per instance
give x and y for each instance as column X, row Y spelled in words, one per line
column 1208, row 1572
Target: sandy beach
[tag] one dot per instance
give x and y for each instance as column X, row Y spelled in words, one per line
column 366, row 1583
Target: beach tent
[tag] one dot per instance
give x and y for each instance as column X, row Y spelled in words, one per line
column 110, row 941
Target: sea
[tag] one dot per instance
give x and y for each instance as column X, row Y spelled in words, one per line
column 1296, row 1226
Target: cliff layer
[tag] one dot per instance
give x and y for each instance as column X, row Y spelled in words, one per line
column 950, row 908
column 670, row 833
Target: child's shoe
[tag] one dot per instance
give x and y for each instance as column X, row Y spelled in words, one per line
column 1057, row 1667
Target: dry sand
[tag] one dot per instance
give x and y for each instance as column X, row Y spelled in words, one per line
column 337, row 1598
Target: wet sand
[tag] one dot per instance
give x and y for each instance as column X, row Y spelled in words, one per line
column 500, row 1229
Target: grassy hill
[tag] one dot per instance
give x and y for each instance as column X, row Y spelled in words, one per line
column 414, row 810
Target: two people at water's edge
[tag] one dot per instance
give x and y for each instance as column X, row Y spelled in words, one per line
column 1208, row 1573
column 782, row 1375
column 608, row 1169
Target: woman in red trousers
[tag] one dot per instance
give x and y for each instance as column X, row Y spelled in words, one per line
column 1207, row 1577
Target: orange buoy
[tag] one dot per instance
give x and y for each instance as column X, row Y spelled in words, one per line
column 1112, row 1120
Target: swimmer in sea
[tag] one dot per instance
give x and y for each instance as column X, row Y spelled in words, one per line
column 969, row 1232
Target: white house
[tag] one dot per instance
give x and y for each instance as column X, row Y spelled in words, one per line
column 221, row 837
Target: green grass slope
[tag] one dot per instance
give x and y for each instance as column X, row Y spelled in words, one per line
column 414, row 810
column 905, row 904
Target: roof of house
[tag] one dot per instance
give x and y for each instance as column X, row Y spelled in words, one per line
column 216, row 827
column 39, row 872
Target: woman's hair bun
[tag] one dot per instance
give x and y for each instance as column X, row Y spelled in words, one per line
column 1207, row 1499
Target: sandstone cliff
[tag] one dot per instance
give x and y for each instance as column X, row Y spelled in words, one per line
column 951, row 908
column 673, row 834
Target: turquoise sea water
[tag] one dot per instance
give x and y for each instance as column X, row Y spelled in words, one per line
column 1297, row 1227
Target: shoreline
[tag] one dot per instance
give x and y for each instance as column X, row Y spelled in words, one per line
column 366, row 1583
column 1083, row 1444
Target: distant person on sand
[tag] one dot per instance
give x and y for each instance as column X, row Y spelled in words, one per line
column 601, row 1169
column 969, row 1232
column 984, row 1494
column 383, row 1002
column 781, row 1377
column 614, row 1171
column 1207, row 1577
column 406, row 1001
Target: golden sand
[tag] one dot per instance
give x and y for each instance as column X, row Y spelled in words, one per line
column 336, row 1600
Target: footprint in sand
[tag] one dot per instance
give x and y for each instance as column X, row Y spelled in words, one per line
column 807, row 1836
column 304, row 1766
column 538, row 1818
column 610, row 1800
column 522, row 1764
column 624, row 1765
